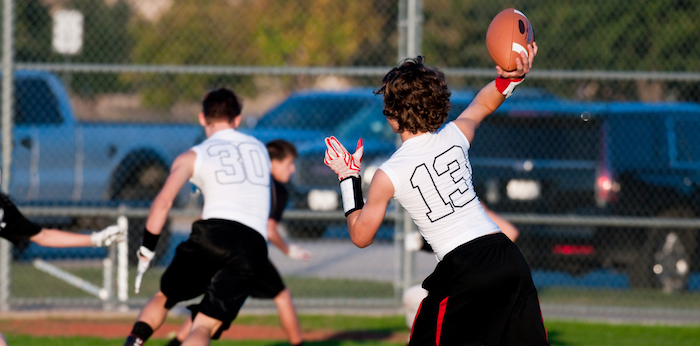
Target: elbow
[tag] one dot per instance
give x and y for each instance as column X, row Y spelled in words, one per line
column 362, row 243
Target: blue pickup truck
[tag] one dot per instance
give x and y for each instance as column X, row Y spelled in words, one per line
column 58, row 160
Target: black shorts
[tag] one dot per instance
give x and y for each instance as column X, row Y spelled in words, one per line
column 13, row 225
column 221, row 259
column 268, row 283
column 481, row 293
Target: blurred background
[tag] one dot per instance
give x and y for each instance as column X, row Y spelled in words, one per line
column 595, row 159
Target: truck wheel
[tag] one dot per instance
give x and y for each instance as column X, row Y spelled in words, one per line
column 144, row 183
column 665, row 258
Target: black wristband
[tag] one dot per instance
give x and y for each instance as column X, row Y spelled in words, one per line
column 150, row 240
column 351, row 194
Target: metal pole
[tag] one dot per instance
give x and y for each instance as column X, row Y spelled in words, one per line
column 7, row 90
column 410, row 28
column 414, row 32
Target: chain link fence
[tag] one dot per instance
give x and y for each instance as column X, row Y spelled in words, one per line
column 595, row 159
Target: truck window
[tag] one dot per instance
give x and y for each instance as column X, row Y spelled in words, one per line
column 539, row 138
column 687, row 141
column 35, row 103
column 321, row 113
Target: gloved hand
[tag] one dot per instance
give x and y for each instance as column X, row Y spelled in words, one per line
column 145, row 256
column 339, row 159
column 107, row 236
column 413, row 241
column 298, row 253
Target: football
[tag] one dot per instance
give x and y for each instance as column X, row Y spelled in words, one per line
column 508, row 34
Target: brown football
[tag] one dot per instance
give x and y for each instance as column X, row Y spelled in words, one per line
column 508, row 34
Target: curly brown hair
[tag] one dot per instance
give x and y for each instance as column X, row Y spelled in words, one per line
column 416, row 96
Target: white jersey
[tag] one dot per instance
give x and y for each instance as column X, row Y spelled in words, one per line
column 432, row 180
column 232, row 170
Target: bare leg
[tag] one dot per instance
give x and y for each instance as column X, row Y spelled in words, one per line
column 203, row 328
column 184, row 329
column 57, row 238
column 2, row 341
column 288, row 317
column 154, row 312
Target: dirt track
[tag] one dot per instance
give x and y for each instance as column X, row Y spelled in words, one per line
column 119, row 329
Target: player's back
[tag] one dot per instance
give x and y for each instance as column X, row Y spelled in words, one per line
column 232, row 170
column 432, row 180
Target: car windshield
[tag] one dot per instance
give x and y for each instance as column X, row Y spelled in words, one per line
column 368, row 123
column 314, row 112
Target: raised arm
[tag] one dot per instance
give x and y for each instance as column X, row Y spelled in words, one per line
column 493, row 94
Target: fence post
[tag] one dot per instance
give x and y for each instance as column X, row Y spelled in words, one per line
column 123, row 265
column 410, row 28
column 7, row 90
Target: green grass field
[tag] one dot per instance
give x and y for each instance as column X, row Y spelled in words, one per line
column 25, row 277
column 561, row 333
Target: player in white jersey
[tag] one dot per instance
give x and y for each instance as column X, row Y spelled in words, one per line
column 481, row 292
column 228, row 246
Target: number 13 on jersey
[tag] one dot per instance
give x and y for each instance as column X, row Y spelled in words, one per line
column 444, row 185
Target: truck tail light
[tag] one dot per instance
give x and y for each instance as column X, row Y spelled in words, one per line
column 570, row 250
column 606, row 188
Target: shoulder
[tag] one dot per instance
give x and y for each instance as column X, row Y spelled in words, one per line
column 459, row 129
column 186, row 159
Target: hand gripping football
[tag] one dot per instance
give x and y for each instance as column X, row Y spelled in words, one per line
column 509, row 34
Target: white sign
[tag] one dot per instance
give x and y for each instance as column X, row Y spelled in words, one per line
column 67, row 31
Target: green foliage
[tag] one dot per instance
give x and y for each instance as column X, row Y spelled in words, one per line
column 32, row 31
column 251, row 33
column 105, row 40
column 651, row 35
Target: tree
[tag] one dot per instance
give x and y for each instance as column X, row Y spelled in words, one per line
column 251, row 33
column 32, row 32
column 651, row 35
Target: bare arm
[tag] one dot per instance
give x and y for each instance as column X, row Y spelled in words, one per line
column 489, row 98
column 57, row 238
column 506, row 227
column 485, row 103
column 180, row 172
column 275, row 237
column 364, row 223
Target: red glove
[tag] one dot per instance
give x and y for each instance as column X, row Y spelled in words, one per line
column 339, row 159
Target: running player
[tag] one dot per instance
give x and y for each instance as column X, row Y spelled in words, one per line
column 227, row 248
column 481, row 292
column 17, row 229
column 268, row 284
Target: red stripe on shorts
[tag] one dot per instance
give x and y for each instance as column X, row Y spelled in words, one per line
column 441, row 317
column 415, row 318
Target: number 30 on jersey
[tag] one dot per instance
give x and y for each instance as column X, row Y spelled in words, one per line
column 241, row 163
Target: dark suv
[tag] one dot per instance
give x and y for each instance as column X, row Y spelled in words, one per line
column 609, row 159
column 541, row 155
